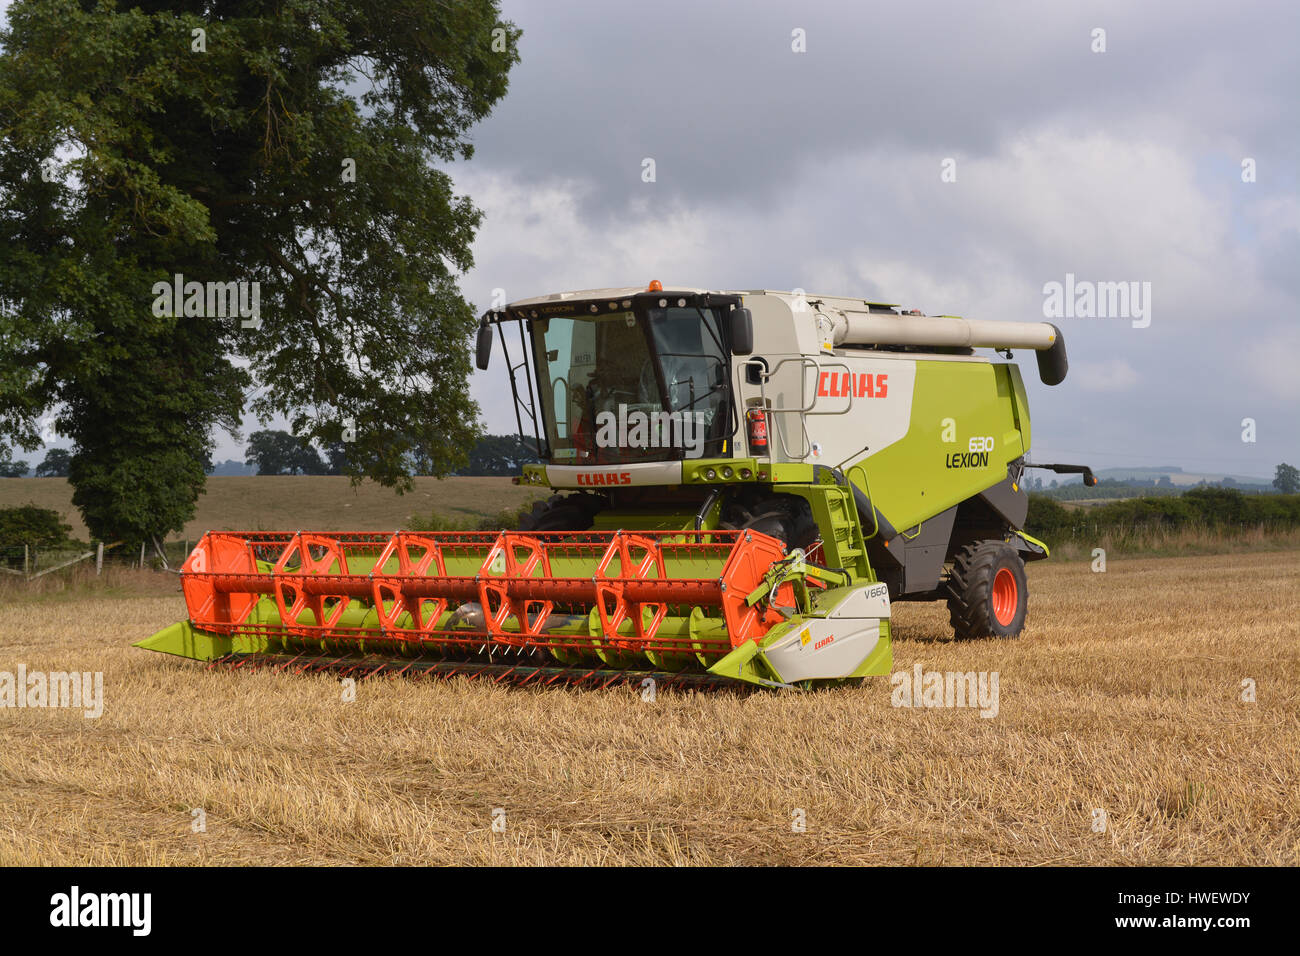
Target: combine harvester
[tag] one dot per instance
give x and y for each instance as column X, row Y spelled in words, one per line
column 748, row 480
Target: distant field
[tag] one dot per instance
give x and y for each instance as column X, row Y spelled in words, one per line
column 326, row 503
column 1123, row 697
column 293, row 502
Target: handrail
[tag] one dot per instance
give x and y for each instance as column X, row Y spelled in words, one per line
column 804, row 362
column 866, row 487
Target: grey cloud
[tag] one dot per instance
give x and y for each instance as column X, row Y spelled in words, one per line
column 713, row 92
column 821, row 171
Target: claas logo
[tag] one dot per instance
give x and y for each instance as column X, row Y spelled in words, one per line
column 844, row 384
column 604, row 478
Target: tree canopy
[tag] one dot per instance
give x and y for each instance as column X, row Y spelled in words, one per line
column 35, row 529
column 9, row 468
column 283, row 157
column 279, row 453
column 55, row 464
column 1287, row 479
column 500, row 455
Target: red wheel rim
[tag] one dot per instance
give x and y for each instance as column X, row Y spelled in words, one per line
column 1006, row 595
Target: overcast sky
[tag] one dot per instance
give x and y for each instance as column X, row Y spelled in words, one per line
column 822, row 170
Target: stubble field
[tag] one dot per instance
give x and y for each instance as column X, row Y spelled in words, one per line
column 1122, row 698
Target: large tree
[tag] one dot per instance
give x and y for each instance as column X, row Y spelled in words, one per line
column 279, row 453
column 56, row 464
column 294, row 145
column 500, row 455
column 10, row 468
column 1287, row 479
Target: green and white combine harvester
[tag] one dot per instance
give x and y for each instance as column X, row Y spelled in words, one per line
column 745, row 483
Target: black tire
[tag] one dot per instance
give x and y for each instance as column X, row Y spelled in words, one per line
column 558, row 513
column 783, row 517
column 988, row 594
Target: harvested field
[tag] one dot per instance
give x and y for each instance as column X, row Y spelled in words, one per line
column 1123, row 696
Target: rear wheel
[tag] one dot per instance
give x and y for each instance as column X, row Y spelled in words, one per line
column 987, row 591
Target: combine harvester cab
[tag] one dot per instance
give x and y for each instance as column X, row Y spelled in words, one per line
column 744, row 483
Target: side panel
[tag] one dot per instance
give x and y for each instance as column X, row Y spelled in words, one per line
column 963, row 434
column 852, row 401
column 781, row 337
column 1022, row 403
column 848, row 627
column 876, row 396
column 924, row 553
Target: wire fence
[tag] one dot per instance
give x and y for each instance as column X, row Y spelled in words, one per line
column 22, row 561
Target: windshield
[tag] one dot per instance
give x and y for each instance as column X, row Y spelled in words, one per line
column 613, row 394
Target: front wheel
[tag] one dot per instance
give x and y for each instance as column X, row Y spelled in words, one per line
column 987, row 591
column 559, row 513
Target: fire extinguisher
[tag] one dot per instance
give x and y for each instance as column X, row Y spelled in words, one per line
column 757, row 419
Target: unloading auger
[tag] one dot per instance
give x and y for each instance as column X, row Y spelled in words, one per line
column 753, row 478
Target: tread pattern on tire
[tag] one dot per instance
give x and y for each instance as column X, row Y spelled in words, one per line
column 969, row 605
column 556, row 513
column 784, row 517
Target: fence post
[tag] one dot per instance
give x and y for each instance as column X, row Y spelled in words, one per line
column 99, row 559
column 25, row 568
column 141, row 555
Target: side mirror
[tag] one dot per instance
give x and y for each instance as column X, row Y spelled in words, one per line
column 742, row 331
column 484, row 345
